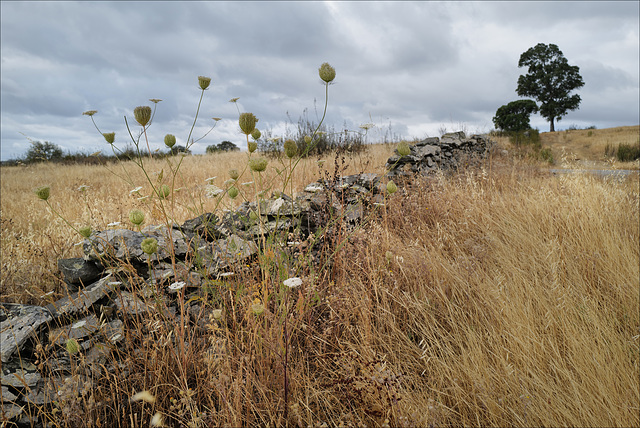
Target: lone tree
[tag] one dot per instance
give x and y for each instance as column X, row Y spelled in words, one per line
column 514, row 117
column 549, row 80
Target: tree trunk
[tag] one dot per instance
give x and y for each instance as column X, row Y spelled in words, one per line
column 552, row 128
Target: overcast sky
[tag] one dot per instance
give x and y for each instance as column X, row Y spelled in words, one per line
column 411, row 68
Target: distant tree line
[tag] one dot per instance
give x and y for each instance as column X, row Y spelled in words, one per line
column 46, row 151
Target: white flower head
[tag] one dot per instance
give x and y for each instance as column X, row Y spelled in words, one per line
column 136, row 190
column 144, row 396
column 293, row 282
column 211, row 179
column 115, row 223
column 177, row 285
column 211, row 191
column 83, row 188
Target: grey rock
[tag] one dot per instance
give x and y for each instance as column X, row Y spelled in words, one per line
column 78, row 271
column 22, row 323
column 8, row 396
column 81, row 301
column 23, row 377
column 79, row 330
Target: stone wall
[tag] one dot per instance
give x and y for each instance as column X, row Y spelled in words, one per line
column 111, row 282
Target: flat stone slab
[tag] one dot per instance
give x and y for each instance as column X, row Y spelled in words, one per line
column 22, row 322
column 79, row 330
column 81, row 301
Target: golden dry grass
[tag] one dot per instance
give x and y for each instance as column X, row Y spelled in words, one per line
column 500, row 296
column 586, row 147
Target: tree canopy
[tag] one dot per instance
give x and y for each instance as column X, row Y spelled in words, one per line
column 514, row 117
column 549, row 80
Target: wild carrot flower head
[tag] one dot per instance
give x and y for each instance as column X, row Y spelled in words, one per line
column 327, row 73
column 234, row 174
column 90, row 112
column 258, row 164
column 256, row 134
column 204, row 82
column 164, row 191
column 403, row 148
column 144, row 396
column 109, row 137
column 142, row 115
column 290, row 148
column 169, row 140
column 293, row 282
column 391, row 187
column 73, row 347
column 155, row 100
column 247, row 122
column 149, row 245
column 233, row 192
column 85, row 231
column 257, row 308
column 43, row 192
column 136, row 217
column 252, row 146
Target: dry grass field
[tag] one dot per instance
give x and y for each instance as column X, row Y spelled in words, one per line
column 585, row 148
column 498, row 296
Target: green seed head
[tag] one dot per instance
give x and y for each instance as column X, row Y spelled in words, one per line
column 110, row 137
column 85, row 231
column 43, row 192
column 403, row 148
column 149, row 246
column 233, row 192
column 234, row 174
column 290, row 148
column 307, row 139
column 252, row 146
column 169, row 140
column 247, row 123
column 136, row 217
column 256, row 134
column 257, row 308
column 258, row 164
column 391, row 187
column 142, row 115
column 327, row 73
column 73, row 347
column 164, row 191
column 253, row 215
column 217, row 314
column 204, row 82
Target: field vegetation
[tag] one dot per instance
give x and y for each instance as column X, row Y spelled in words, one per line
column 497, row 295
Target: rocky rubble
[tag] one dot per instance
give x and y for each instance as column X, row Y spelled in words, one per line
column 114, row 279
column 445, row 153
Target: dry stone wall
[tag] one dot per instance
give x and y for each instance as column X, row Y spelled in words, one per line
column 101, row 295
